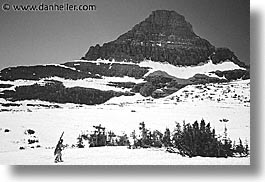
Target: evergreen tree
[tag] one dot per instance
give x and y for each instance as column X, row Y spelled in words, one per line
column 157, row 139
column 133, row 135
column 234, row 146
column 110, row 138
column 143, row 130
column 227, row 145
column 240, row 148
column 122, row 140
column 202, row 126
column 199, row 140
column 166, row 138
column 196, row 137
column 246, row 149
column 80, row 142
column 149, row 138
column 177, row 135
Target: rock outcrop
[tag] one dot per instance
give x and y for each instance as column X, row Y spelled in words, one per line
column 54, row 91
column 224, row 54
column 109, row 69
column 42, row 71
column 230, row 75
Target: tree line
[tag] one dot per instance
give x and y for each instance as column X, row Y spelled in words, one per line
column 197, row 139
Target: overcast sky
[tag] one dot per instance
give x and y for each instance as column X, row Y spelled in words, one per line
column 30, row 38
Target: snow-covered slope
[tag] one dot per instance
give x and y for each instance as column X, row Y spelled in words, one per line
column 189, row 71
column 184, row 72
column 176, row 71
column 212, row 102
column 101, row 84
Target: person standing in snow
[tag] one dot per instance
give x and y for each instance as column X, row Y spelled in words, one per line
column 58, row 151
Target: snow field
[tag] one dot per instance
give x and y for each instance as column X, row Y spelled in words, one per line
column 100, row 84
column 188, row 71
column 123, row 115
column 112, row 156
column 49, row 123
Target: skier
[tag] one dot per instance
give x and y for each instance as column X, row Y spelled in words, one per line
column 58, row 151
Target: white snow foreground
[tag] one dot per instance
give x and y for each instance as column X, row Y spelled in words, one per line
column 112, row 156
column 212, row 102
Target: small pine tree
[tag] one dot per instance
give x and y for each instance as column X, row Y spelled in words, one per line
column 110, row 138
column 177, row 135
column 226, row 147
column 144, row 140
column 202, row 126
column 156, row 139
column 225, row 135
column 80, row 142
column 240, row 148
column 122, row 140
column 246, row 149
column 234, row 146
column 134, row 142
column 166, row 138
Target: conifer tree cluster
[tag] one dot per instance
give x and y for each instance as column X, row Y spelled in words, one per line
column 200, row 139
column 197, row 139
column 101, row 138
column 147, row 138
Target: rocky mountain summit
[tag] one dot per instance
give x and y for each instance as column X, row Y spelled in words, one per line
column 165, row 36
column 156, row 58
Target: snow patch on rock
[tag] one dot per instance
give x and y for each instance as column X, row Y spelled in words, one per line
column 188, row 71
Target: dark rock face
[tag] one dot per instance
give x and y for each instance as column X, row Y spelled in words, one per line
column 108, row 69
column 234, row 74
column 39, row 72
column 164, row 83
column 55, row 91
column 147, row 89
column 165, row 36
column 224, row 54
column 158, row 77
column 76, row 70
column 5, row 85
column 10, row 105
column 136, row 88
column 202, row 79
column 122, row 84
column 159, row 84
